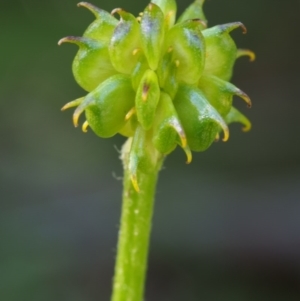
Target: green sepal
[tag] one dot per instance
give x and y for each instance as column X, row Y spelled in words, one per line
column 188, row 50
column 125, row 39
column 194, row 11
column 164, row 128
column 235, row 115
column 221, row 50
column 102, row 28
column 142, row 155
column 91, row 65
column 152, row 34
column 167, row 128
column 200, row 120
column 166, row 72
column 139, row 70
column 171, row 84
column 147, row 97
column 106, row 106
column 169, row 8
column 141, row 152
column 220, row 93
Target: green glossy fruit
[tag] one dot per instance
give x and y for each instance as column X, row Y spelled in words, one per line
column 146, row 99
column 221, row 51
column 194, row 11
column 168, row 131
column 159, row 82
column 152, row 34
column 200, row 120
column 104, row 25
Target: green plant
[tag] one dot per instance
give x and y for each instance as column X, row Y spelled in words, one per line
column 161, row 84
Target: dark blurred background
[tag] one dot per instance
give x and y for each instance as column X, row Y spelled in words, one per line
column 226, row 227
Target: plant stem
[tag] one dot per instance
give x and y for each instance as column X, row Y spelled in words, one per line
column 133, row 244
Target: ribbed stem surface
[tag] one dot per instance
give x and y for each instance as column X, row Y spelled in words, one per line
column 134, row 235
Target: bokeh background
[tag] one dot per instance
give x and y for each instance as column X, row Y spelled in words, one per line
column 226, row 227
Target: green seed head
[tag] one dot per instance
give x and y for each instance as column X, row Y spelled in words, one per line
column 159, row 82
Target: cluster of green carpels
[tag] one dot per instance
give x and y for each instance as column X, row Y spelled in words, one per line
column 162, row 82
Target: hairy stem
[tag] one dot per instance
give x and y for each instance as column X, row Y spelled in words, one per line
column 133, row 244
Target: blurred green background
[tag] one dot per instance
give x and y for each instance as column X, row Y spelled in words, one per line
column 226, row 227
